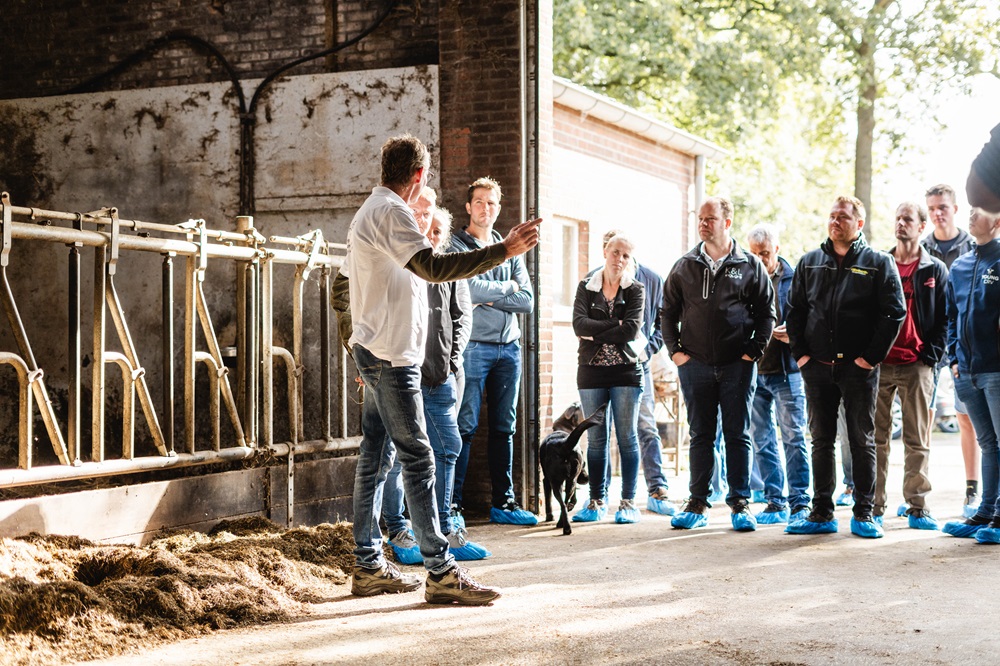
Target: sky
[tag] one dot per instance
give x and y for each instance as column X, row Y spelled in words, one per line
column 949, row 154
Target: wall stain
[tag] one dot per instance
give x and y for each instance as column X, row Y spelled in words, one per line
column 158, row 119
column 24, row 171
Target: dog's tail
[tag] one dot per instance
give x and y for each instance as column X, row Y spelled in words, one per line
column 597, row 418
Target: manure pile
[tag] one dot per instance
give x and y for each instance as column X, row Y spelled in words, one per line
column 65, row 598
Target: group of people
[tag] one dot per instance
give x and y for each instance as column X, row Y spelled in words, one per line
column 432, row 327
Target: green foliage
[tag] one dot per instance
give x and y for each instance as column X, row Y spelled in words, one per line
column 781, row 84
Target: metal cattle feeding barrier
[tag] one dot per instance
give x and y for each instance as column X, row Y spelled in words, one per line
column 249, row 409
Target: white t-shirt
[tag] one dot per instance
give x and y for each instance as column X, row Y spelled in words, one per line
column 388, row 302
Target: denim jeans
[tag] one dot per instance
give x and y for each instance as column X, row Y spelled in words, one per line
column 495, row 369
column 711, row 391
column 624, row 402
column 440, row 413
column 782, row 396
column 980, row 391
column 392, row 424
column 650, row 444
column 826, row 387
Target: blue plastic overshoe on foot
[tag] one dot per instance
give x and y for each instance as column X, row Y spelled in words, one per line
column 516, row 516
column 470, row 551
column 925, row 521
column 687, row 520
column 962, row 528
column 798, row 513
column 879, row 520
column 627, row 514
column 744, row 521
column 988, row 535
column 866, row 529
column 779, row 517
column 757, row 497
column 902, row 509
column 593, row 512
column 812, row 527
column 662, row 507
column 409, row 555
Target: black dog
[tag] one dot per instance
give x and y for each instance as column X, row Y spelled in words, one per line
column 562, row 463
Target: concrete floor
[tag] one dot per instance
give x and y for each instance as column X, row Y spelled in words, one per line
column 647, row 594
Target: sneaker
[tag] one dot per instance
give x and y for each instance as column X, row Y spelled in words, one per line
column 902, row 510
column 846, row 498
column 967, row 528
column 456, row 517
column 660, row 503
column 773, row 514
column 798, row 512
column 921, row 519
column 387, row 580
column 866, row 528
column 742, row 519
column 627, row 513
column 456, row 586
column 813, row 524
column 464, row 550
column 970, row 506
column 695, row 514
column 404, row 546
column 593, row 512
column 989, row 533
column 757, row 497
column 511, row 514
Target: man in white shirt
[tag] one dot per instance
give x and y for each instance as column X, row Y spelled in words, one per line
column 388, row 260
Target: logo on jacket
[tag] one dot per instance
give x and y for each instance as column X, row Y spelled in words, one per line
column 930, row 283
column 733, row 273
column 990, row 276
column 859, row 271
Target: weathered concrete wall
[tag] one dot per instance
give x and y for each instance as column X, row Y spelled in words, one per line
column 170, row 154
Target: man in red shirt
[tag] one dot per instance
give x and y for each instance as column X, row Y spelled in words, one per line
column 908, row 369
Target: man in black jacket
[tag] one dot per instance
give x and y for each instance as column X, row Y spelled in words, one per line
column 718, row 312
column 908, row 369
column 844, row 312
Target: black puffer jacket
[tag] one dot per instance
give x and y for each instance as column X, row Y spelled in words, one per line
column 717, row 318
column 619, row 326
column 839, row 313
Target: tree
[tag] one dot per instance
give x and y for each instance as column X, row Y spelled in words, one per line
column 860, row 72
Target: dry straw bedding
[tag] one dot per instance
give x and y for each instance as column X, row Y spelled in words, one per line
column 65, row 598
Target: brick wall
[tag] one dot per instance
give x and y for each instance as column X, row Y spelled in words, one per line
column 64, row 44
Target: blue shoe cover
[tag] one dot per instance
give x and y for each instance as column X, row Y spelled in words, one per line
column 970, row 509
column 717, row 496
column 591, row 513
column 627, row 515
column 470, row 551
column 774, row 517
column 744, row 522
column 867, row 529
column 809, row 527
column 879, row 520
column 457, row 521
column 407, row 555
column 688, row 520
column 845, row 499
column 903, row 508
column 801, row 514
column 757, row 497
column 662, row 507
column 988, row 535
column 515, row 517
column 958, row 528
column 924, row 522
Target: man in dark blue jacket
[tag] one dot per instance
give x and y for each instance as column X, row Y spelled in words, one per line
column 780, row 393
column 718, row 312
column 844, row 312
column 974, row 355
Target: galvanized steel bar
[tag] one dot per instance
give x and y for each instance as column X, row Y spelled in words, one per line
column 97, row 367
column 292, row 371
column 324, row 349
column 214, row 372
column 190, row 344
column 24, row 422
column 128, row 400
column 169, row 423
column 267, row 361
column 74, row 354
column 222, row 373
column 297, row 298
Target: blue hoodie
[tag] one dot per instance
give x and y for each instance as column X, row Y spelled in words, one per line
column 973, row 307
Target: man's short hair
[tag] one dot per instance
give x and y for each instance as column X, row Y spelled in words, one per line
column 446, row 220
column 724, row 204
column 921, row 211
column 608, row 235
column 763, row 233
column 981, row 212
column 402, row 157
column 859, row 208
column 940, row 190
column 485, row 183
